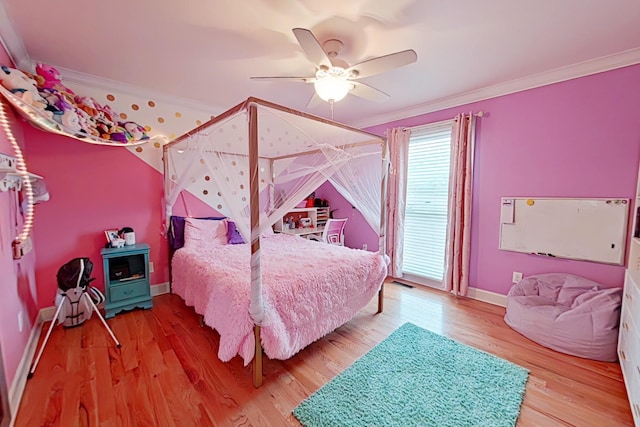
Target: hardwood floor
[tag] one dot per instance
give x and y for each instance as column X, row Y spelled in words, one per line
column 167, row 372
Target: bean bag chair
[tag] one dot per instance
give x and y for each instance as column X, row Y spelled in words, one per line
column 567, row 313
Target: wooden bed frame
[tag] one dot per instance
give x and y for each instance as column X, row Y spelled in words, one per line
column 251, row 106
column 257, row 358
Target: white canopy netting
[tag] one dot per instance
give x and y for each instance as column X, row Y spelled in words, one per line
column 264, row 159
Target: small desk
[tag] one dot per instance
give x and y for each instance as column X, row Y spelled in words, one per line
column 305, row 232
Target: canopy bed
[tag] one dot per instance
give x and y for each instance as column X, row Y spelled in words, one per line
column 261, row 160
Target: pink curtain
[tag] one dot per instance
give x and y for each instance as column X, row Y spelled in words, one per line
column 396, row 194
column 458, row 244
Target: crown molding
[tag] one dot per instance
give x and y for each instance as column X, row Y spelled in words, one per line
column 9, row 39
column 17, row 51
column 582, row 69
column 129, row 89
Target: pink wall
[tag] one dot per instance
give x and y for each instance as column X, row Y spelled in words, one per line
column 17, row 280
column 579, row 138
column 573, row 139
column 356, row 231
column 93, row 188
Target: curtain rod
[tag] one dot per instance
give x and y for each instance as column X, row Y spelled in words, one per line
column 442, row 122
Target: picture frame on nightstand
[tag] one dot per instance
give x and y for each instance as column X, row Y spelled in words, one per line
column 111, row 235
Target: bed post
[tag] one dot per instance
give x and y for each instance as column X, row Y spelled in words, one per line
column 383, row 217
column 257, row 358
column 256, row 308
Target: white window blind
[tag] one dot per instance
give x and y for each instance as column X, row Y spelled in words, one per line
column 425, row 226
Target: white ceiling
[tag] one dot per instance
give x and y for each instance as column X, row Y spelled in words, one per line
column 204, row 51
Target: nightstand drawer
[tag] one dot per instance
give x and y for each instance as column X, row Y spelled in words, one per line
column 130, row 290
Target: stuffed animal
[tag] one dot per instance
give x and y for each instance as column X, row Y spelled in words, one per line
column 52, row 99
column 87, row 104
column 87, row 123
column 137, row 132
column 106, row 119
column 57, row 103
column 68, row 117
column 51, row 79
column 119, row 134
column 70, row 120
column 22, row 86
column 106, row 108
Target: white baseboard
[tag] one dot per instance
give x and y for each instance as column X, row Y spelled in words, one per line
column 159, row 289
column 487, row 296
column 44, row 315
column 473, row 293
column 20, row 379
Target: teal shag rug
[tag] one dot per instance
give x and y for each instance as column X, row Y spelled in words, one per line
column 419, row 378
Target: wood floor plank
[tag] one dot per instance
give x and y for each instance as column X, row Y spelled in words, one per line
column 167, row 372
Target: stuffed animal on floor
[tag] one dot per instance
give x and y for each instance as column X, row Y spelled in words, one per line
column 22, row 86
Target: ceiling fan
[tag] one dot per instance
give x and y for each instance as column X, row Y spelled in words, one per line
column 334, row 78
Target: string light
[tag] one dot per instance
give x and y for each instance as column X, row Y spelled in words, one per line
column 21, row 167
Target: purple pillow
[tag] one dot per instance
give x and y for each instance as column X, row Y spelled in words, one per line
column 233, row 235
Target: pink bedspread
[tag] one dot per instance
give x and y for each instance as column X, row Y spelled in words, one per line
column 309, row 289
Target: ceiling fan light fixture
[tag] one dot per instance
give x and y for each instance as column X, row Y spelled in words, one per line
column 332, row 89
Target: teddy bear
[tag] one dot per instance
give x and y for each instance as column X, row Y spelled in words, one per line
column 22, row 86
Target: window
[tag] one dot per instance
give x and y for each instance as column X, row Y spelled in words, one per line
column 425, row 227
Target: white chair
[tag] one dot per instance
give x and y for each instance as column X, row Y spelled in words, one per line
column 333, row 232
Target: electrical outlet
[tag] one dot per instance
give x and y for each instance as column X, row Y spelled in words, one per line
column 517, row 277
column 364, row 246
column 150, row 267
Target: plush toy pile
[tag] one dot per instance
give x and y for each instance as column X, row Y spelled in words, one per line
column 45, row 92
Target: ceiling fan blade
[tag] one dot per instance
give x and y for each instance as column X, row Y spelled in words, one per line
column 368, row 92
column 381, row 64
column 312, row 48
column 314, row 101
column 286, row 79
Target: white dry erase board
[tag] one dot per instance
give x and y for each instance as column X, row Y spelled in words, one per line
column 584, row 229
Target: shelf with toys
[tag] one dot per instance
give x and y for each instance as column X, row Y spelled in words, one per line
column 47, row 104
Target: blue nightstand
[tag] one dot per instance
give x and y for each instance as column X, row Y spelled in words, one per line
column 126, row 278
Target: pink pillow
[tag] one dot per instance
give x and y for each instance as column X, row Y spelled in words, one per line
column 205, row 230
